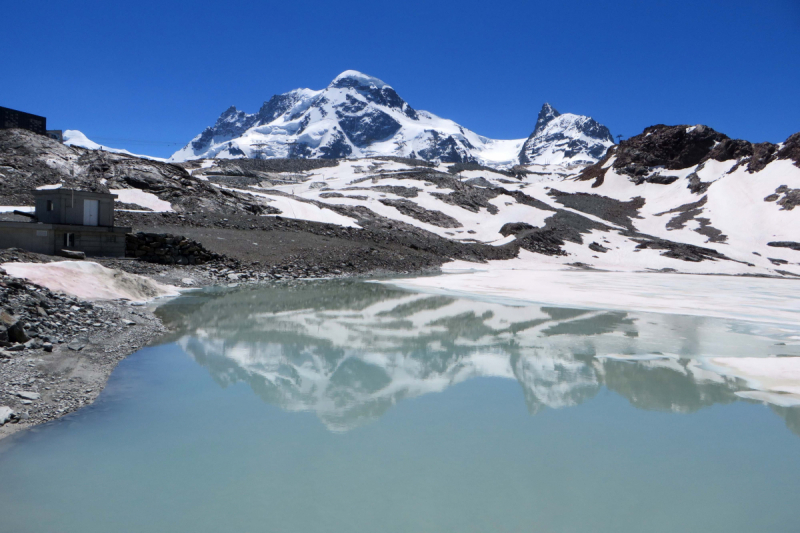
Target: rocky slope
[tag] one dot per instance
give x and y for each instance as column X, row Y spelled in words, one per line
column 680, row 198
column 361, row 116
column 29, row 161
column 675, row 198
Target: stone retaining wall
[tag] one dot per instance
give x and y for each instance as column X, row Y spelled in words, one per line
column 166, row 249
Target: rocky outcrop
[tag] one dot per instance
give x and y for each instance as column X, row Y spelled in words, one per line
column 167, row 249
column 791, row 149
column 413, row 210
column 11, row 329
column 671, row 147
column 679, row 147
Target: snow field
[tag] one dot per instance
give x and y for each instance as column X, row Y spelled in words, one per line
column 90, row 281
column 527, row 279
column 142, row 198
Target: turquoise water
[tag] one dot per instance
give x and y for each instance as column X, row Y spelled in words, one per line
column 345, row 406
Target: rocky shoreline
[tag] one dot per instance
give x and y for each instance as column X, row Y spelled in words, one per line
column 58, row 351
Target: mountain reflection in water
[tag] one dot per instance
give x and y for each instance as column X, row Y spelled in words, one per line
column 349, row 350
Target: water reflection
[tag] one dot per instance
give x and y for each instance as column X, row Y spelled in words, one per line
column 348, row 351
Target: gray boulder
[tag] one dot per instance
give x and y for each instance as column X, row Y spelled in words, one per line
column 14, row 328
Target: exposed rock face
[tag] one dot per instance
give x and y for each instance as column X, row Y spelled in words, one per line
column 731, row 149
column 29, row 161
column 231, row 123
column 791, row 149
column 785, row 197
column 569, row 137
column 763, row 155
column 785, row 244
column 446, row 148
column 514, row 228
column 671, row 147
column 680, row 147
column 606, row 208
column 407, row 207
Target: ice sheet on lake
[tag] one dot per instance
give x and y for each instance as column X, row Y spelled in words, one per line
column 349, row 355
column 737, row 297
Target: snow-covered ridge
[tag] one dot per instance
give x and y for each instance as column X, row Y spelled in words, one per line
column 358, row 115
column 77, row 138
column 562, row 138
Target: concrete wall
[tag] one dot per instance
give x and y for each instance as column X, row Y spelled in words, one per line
column 27, row 236
column 49, row 238
column 72, row 210
column 49, row 217
column 93, row 243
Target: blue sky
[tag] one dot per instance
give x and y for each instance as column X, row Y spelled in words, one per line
column 140, row 75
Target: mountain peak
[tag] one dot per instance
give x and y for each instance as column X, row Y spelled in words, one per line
column 546, row 114
column 558, row 138
column 359, row 115
column 354, row 78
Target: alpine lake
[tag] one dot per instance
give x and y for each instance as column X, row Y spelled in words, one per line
column 352, row 406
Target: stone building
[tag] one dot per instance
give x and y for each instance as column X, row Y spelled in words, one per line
column 68, row 220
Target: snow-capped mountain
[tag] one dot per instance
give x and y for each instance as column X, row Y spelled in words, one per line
column 361, row 116
column 565, row 138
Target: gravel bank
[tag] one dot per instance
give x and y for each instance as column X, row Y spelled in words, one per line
column 61, row 349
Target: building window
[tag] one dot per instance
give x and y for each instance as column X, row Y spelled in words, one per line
column 49, row 205
column 69, row 240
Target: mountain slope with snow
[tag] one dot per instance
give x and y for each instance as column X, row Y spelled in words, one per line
column 683, row 199
column 77, row 138
column 675, row 198
column 360, row 116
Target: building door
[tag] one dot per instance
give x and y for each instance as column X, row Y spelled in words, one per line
column 90, row 211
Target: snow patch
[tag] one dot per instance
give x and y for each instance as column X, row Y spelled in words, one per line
column 77, row 138
column 90, row 281
column 142, row 198
column 12, row 208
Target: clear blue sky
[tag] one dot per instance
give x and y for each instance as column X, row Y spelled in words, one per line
column 164, row 70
